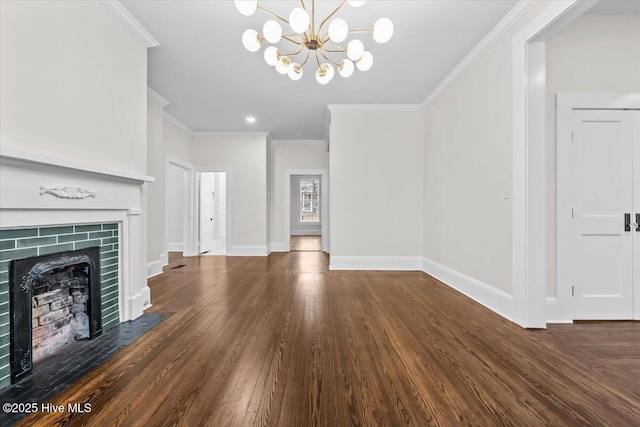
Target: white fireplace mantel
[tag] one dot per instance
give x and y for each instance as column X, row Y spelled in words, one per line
column 40, row 191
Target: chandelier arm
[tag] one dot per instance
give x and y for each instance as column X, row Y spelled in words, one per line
column 331, row 14
column 313, row 17
column 295, row 52
column 318, row 59
column 303, row 5
column 360, row 31
column 338, row 46
column 305, row 59
column 287, row 38
column 330, row 60
column 336, row 51
column 273, row 14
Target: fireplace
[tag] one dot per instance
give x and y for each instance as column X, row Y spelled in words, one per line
column 54, row 299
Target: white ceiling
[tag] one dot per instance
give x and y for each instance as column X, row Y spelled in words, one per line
column 213, row 83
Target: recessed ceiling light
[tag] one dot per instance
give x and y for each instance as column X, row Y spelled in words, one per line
column 250, row 119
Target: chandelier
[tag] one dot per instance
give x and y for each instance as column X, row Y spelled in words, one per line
column 313, row 43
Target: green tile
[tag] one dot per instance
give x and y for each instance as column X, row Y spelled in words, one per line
column 72, row 237
column 4, row 277
column 86, row 228
column 87, row 244
column 4, row 297
column 109, row 275
column 18, row 254
column 115, row 232
column 23, row 232
column 4, row 317
column 116, row 247
column 110, row 303
column 110, row 323
column 4, row 266
column 4, row 359
column 109, row 240
column 109, row 226
column 100, row 234
column 37, row 241
column 52, row 231
column 107, row 289
column 109, row 261
column 112, row 254
column 103, row 269
column 7, row 244
column 106, row 283
column 106, row 248
column 45, row 250
column 110, row 310
column 4, row 329
column 4, row 340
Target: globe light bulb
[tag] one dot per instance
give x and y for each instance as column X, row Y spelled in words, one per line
column 355, row 49
column 282, row 66
column 247, row 8
column 299, row 20
column 356, row 3
column 272, row 31
column 271, row 55
column 295, row 72
column 382, row 30
column 251, row 40
column 366, row 62
column 346, row 68
column 338, row 30
column 325, row 73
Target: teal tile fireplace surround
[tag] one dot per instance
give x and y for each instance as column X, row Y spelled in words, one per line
column 28, row 242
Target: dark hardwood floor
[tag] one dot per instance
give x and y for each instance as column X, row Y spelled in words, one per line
column 306, row 243
column 281, row 341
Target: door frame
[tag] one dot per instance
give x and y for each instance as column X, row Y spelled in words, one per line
column 324, row 198
column 565, row 104
column 195, row 190
column 528, row 158
column 187, row 238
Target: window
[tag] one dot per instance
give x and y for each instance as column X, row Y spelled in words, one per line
column 309, row 200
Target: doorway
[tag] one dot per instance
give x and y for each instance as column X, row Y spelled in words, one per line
column 305, row 229
column 212, row 213
column 598, row 205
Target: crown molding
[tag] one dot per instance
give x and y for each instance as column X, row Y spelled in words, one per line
column 156, row 97
column 232, row 133
column 130, row 22
column 168, row 117
column 298, row 141
column 334, row 108
column 494, row 35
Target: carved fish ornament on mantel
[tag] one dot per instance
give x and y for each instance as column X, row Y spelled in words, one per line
column 68, row 192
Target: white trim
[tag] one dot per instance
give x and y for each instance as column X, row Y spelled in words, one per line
column 278, row 247
column 22, row 158
column 492, row 298
column 175, row 247
column 554, row 312
column 177, row 123
column 496, row 33
column 598, row 101
column 363, row 108
column 528, row 213
column 130, row 22
column 316, row 231
column 154, row 268
column 187, row 215
column 164, row 259
column 247, row 251
column 156, row 97
column 324, row 204
column 376, row 263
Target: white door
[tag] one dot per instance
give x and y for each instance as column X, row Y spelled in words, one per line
column 603, row 192
column 206, row 211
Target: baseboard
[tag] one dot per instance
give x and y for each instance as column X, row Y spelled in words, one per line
column 247, row 251
column 554, row 313
column 303, row 232
column 154, row 268
column 492, row 298
column 175, row 247
column 164, row 259
column 375, row 263
column 279, row 247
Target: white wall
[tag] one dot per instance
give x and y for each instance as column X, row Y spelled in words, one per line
column 468, row 167
column 376, row 161
column 73, row 81
column 246, row 154
column 287, row 155
column 175, row 205
column 593, row 54
column 177, row 141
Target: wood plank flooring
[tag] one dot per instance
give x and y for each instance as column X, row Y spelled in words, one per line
column 281, row 341
column 306, row 243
